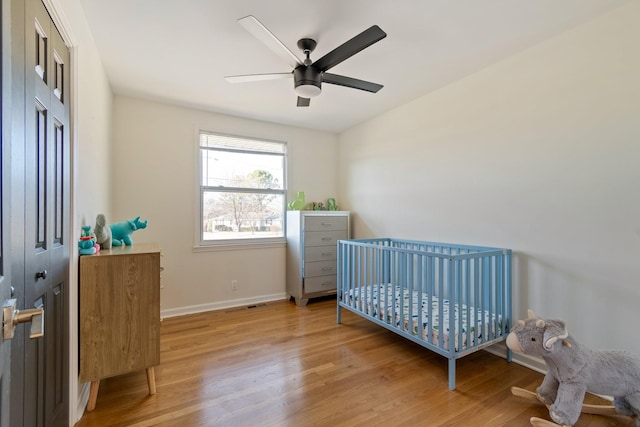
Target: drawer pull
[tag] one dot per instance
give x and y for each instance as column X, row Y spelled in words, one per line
column 326, row 239
column 327, row 253
column 326, row 224
column 327, row 268
column 326, row 283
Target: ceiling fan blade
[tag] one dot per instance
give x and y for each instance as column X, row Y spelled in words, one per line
column 350, row 48
column 262, row 33
column 303, row 102
column 257, row 77
column 351, row 82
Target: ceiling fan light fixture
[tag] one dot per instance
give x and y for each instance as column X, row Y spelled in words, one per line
column 307, row 90
column 307, row 82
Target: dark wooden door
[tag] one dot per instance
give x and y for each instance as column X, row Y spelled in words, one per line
column 41, row 158
column 5, row 204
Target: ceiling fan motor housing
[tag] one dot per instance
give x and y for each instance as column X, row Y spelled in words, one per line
column 307, row 76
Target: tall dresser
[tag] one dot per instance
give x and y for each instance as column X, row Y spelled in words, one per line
column 312, row 238
column 119, row 314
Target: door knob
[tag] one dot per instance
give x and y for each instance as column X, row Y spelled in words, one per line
column 12, row 316
column 41, row 274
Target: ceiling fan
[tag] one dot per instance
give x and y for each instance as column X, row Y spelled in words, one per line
column 309, row 75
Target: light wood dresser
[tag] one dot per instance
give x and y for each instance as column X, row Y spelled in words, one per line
column 119, row 314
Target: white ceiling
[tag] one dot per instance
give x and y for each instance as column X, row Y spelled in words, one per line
column 179, row 51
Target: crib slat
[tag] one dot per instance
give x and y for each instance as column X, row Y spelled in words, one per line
column 421, row 274
column 442, row 296
column 471, row 316
column 478, row 300
column 340, row 282
column 507, row 284
column 431, row 292
column 499, row 289
column 378, row 254
column 457, row 333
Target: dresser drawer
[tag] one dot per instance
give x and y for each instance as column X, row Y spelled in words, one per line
column 320, row 268
column 320, row 284
column 323, row 238
column 325, row 223
column 321, row 253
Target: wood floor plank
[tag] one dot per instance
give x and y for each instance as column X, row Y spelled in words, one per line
column 282, row 365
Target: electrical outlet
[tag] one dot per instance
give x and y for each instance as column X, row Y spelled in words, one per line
column 234, row 285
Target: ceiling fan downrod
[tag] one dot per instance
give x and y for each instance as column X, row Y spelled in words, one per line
column 307, row 46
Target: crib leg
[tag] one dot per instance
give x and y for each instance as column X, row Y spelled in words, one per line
column 509, row 355
column 338, row 314
column 452, row 374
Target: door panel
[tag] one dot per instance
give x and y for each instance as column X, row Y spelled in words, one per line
column 45, row 212
column 5, row 203
column 17, row 197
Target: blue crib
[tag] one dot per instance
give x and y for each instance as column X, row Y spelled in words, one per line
column 451, row 299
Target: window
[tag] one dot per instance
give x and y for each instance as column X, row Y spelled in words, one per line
column 242, row 191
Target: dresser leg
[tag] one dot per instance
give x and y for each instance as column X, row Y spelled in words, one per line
column 302, row 302
column 93, row 395
column 151, row 380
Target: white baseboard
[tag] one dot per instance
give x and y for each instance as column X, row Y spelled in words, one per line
column 535, row 363
column 83, row 399
column 201, row 308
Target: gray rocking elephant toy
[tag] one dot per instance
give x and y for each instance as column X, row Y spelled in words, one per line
column 573, row 370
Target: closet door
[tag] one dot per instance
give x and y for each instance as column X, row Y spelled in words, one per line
column 45, row 243
column 6, row 283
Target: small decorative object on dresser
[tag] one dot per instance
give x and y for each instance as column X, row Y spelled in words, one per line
column 102, row 232
column 312, row 238
column 121, row 231
column 87, row 243
column 298, row 203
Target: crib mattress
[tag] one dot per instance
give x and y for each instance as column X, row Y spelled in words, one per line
column 374, row 301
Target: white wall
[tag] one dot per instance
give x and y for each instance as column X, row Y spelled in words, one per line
column 91, row 102
column 155, row 174
column 91, row 164
column 539, row 153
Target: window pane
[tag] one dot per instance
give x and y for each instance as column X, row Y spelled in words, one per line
column 239, row 215
column 238, row 143
column 241, row 170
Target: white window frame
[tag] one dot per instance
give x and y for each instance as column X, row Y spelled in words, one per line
column 244, row 242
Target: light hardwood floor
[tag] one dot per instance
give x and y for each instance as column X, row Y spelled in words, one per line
column 280, row 365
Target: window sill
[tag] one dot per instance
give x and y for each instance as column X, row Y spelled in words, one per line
column 240, row 245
